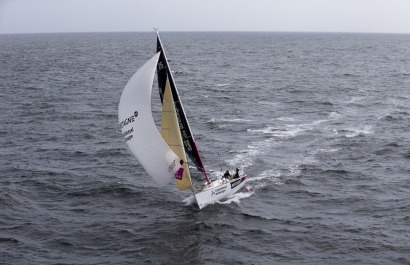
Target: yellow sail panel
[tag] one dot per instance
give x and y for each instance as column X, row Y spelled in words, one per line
column 172, row 135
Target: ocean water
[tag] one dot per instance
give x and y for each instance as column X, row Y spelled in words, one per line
column 319, row 122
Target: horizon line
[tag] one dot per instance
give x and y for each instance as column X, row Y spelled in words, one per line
column 203, row 31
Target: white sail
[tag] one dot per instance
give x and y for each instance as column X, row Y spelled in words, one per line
column 139, row 129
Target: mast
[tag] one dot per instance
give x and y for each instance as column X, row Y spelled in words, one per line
column 164, row 73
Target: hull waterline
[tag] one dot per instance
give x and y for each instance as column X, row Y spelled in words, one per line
column 219, row 190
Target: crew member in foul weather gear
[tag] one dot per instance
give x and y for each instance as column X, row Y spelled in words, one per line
column 227, row 175
column 236, row 176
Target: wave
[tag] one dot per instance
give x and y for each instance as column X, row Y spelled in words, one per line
column 285, row 119
column 222, row 85
column 359, row 131
column 180, row 73
column 115, row 189
column 334, row 115
column 265, row 180
column 270, row 174
column 9, row 239
column 276, row 135
column 190, row 200
column 279, row 132
column 245, row 158
column 234, row 120
column 249, row 215
column 267, row 103
column 356, row 99
column 327, row 150
column 394, row 116
column 291, row 130
column 236, row 198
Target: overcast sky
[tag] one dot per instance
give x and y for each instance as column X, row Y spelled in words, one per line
column 32, row 16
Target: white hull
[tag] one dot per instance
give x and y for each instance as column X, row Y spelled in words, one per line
column 219, row 190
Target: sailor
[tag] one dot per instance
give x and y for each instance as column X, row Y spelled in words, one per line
column 227, row 175
column 236, row 176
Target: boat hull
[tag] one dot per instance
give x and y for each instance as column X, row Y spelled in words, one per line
column 219, row 190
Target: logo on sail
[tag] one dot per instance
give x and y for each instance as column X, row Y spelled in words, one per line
column 171, row 167
column 126, row 134
column 179, row 173
column 129, row 120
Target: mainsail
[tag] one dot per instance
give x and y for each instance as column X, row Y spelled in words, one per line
column 172, row 135
column 139, row 129
column 165, row 75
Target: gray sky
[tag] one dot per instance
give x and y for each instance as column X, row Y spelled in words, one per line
column 32, row 16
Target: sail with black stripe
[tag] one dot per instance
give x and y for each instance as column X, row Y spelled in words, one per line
column 164, row 73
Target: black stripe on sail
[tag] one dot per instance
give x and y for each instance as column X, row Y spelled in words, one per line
column 161, row 70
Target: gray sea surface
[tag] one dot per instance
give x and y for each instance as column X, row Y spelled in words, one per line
column 319, row 122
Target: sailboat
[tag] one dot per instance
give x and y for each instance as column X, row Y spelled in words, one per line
column 164, row 155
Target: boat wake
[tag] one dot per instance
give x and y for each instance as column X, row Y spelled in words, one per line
column 272, row 174
column 285, row 129
column 266, row 178
column 190, row 200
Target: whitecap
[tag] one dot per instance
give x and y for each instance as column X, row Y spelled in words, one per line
column 294, row 170
column 245, row 158
column 356, row 99
column 233, row 120
column 334, row 115
column 222, row 85
column 285, row 119
column 328, row 150
column 189, row 200
column 267, row 103
column 271, row 174
column 291, row 131
column 360, row 131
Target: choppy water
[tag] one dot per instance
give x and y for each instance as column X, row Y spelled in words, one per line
column 319, row 122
